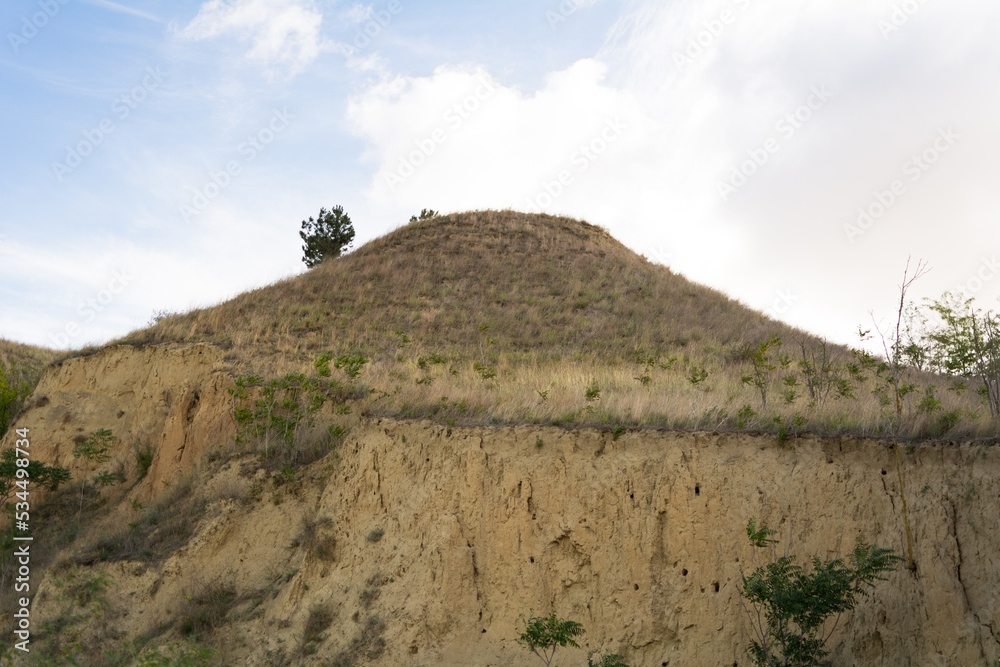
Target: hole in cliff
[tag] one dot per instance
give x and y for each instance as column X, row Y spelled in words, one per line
column 413, row 650
column 883, row 472
column 121, row 413
column 631, row 496
column 697, row 489
column 427, row 461
column 484, row 631
column 684, row 572
column 531, row 558
column 635, row 586
column 715, row 586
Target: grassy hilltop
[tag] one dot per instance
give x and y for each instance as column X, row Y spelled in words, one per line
column 500, row 317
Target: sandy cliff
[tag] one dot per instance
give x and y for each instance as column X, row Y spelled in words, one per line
column 641, row 539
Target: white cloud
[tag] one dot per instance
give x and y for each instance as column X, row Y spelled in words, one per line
column 701, row 85
column 282, row 34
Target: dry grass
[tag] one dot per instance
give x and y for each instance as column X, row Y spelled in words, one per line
column 564, row 305
column 155, row 534
column 547, row 287
column 207, row 609
column 17, row 354
column 20, row 366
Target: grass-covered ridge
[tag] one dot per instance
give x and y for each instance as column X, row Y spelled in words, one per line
column 548, row 288
column 501, row 317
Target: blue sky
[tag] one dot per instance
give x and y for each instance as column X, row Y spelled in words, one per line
column 160, row 156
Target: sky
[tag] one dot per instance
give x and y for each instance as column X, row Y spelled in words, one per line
column 160, row 156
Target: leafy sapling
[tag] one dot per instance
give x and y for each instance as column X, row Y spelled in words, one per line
column 544, row 634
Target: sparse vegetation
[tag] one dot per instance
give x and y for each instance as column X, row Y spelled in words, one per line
column 493, row 293
column 425, row 214
column 281, row 411
column 319, row 619
column 607, row 660
column 206, row 610
column 789, row 609
column 93, row 450
column 21, row 368
column 143, row 458
column 367, row 644
column 158, row 532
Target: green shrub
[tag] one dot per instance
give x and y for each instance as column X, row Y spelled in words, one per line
column 607, row 660
column 143, row 457
column 789, row 609
column 544, row 634
column 351, row 363
column 14, row 389
column 425, row 214
column 319, row 619
column 697, row 375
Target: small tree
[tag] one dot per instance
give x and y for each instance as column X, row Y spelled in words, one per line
column 966, row 344
column 897, row 352
column 789, row 609
column 544, row 634
column 93, row 450
column 762, row 367
column 327, row 236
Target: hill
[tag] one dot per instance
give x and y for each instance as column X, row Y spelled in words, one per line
column 552, row 287
column 506, row 317
column 249, row 499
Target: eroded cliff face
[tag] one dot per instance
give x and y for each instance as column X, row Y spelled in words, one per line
column 640, row 539
column 170, row 397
